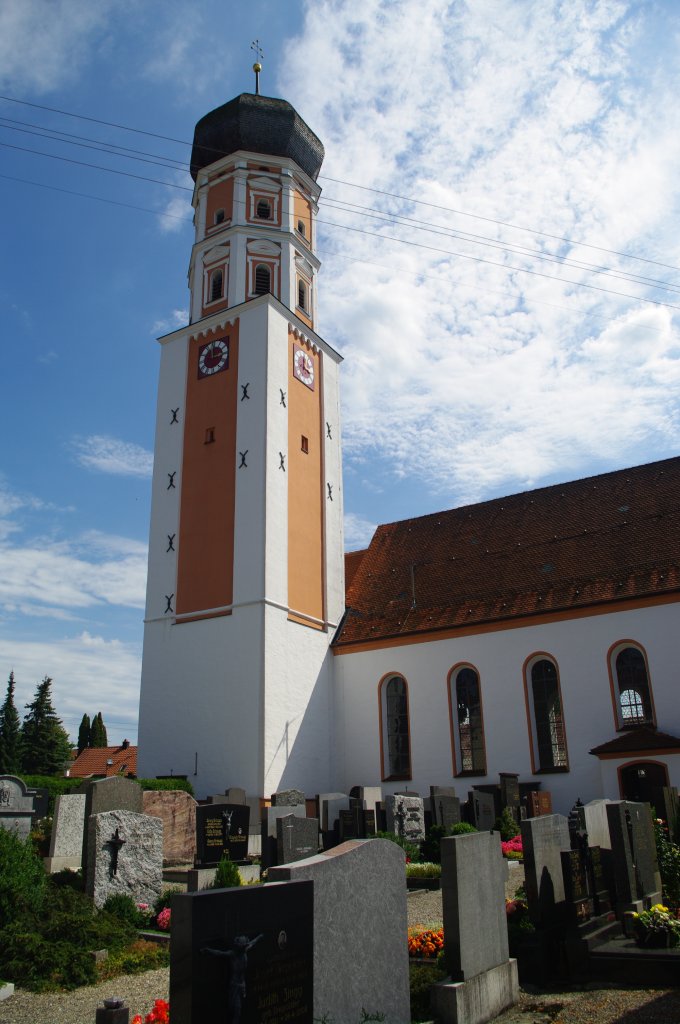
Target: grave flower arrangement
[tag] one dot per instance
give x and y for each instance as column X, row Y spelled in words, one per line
column 163, row 919
column 159, row 1015
column 656, row 927
column 426, row 944
column 512, row 848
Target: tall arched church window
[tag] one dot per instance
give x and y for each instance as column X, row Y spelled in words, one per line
column 467, row 725
column 262, row 279
column 396, row 744
column 216, row 285
column 633, row 692
column 549, row 741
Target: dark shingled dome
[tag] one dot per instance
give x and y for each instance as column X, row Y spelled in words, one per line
column 258, row 124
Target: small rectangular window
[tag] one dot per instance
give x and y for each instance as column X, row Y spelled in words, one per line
column 209, row 435
column 219, row 216
column 304, row 444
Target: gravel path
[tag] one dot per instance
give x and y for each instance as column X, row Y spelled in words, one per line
column 80, row 1006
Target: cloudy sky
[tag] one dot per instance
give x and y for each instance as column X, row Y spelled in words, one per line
column 500, row 237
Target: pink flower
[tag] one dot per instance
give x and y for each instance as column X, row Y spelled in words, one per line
column 163, row 919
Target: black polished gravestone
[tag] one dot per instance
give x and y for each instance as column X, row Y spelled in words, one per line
column 296, row 838
column 599, row 870
column 580, row 906
column 634, row 860
column 510, row 792
column 483, row 809
column 221, row 829
column 243, row 956
column 355, row 822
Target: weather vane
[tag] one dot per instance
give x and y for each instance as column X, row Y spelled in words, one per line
column 257, row 66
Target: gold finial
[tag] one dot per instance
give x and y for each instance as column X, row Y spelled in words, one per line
column 257, row 66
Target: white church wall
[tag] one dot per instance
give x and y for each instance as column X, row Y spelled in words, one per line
column 579, row 646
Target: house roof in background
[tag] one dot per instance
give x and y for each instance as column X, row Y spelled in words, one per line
column 94, row 761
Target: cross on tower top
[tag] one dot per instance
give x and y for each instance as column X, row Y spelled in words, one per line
column 257, row 66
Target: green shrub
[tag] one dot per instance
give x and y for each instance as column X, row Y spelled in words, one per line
column 421, row 980
column 668, row 854
column 68, row 877
column 463, row 828
column 165, row 898
column 174, row 783
column 226, row 875
column 506, row 825
column 424, row 870
column 431, row 849
column 133, row 959
column 40, row 836
column 412, row 850
column 41, row 964
column 124, row 908
column 56, row 785
column 22, row 877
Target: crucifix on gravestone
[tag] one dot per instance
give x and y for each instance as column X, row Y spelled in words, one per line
column 400, row 815
column 633, row 855
column 115, row 842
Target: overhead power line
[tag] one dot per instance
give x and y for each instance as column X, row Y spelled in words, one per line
column 366, row 188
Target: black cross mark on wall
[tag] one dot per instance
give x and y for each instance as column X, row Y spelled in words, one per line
column 244, row 389
column 171, row 479
column 330, row 492
column 283, row 397
column 168, row 605
column 328, row 431
column 243, row 462
column 282, row 461
column 171, row 542
column 174, row 415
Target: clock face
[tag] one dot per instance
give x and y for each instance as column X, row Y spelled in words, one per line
column 303, row 366
column 213, row 357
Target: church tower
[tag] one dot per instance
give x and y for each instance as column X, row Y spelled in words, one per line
column 245, row 582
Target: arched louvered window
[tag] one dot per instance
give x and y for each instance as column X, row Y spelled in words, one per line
column 548, row 732
column 264, row 209
column 216, row 285
column 302, row 295
column 396, row 750
column 466, row 706
column 219, row 216
column 263, row 279
column 632, row 683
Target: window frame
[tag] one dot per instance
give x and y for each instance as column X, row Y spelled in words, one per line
column 620, row 722
column 262, row 265
column 386, row 773
column 454, row 723
column 534, row 747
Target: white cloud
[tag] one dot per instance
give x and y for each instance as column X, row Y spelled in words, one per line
column 358, row 531
column 175, row 215
column 111, row 455
column 89, row 674
column 177, row 318
column 468, row 377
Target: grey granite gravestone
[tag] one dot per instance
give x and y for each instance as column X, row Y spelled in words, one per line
column 296, row 838
column 360, row 930
column 405, row 817
column 635, row 867
column 329, row 806
column 236, row 795
column 125, row 855
column 177, row 811
column 483, row 810
column 112, row 794
column 243, row 956
column 16, row 805
column 670, row 808
column 543, row 840
column 483, row 978
column 370, row 797
column 66, row 841
column 446, row 810
column 594, row 821
column 288, row 798
column 270, row 816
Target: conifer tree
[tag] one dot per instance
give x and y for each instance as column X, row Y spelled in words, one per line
column 98, row 736
column 10, row 733
column 84, row 734
column 45, row 744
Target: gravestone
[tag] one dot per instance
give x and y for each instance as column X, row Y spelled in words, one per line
column 446, row 811
column 16, row 805
column 66, row 841
column 296, row 838
column 370, row 797
column 580, row 905
column 360, row 937
column 405, row 817
column 670, row 809
column 112, row 794
column 594, row 821
column 125, row 855
column 539, row 802
column 509, row 783
column 41, row 802
column 355, row 822
column 268, row 832
column 635, row 866
column 483, row 808
column 221, row 829
column 543, row 841
column 236, row 795
column 177, row 811
column 599, row 873
column 288, row 798
column 243, row 955
column 483, row 978
column 329, row 806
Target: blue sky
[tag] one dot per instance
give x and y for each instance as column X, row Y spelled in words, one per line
column 514, row 326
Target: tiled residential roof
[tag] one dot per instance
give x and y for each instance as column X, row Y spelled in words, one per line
column 93, row 761
column 352, row 563
column 606, row 538
column 636, row 741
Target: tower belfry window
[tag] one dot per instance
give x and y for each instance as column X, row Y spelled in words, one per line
column 219, row 216
column 264, row 209
column 216, row 285
column 302, row 295
column 262, row 279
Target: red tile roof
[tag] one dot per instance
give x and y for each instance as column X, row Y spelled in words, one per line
column 93, row 761
column 637, row 741
column 575, row 545
column 352, row 563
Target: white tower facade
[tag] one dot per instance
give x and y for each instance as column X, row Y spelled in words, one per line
column 246, row 574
